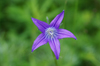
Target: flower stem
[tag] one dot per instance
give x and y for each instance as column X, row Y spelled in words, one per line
column 65, row 10
column 47, row 19
column 55, row 59
column 75, row 12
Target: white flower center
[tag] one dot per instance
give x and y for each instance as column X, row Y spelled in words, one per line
column 50, row 33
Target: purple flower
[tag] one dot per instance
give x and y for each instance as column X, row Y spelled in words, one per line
column 51, row 33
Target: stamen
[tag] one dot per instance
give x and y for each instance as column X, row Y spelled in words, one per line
column 50, row 33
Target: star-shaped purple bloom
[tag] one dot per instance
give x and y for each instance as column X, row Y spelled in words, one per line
column 51, row 33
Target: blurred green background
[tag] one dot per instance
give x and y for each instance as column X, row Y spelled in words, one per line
column 18, row 32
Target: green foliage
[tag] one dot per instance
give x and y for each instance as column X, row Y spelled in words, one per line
column 18, row 32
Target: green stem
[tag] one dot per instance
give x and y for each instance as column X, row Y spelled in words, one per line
column 55, row 59
column 65, row 4
column 65, row 10
column 75, row 12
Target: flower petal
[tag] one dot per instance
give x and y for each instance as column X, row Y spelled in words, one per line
column 62, row 33
column 40, row 40
column 40, row 24
column 57, row 20
column 55, row 46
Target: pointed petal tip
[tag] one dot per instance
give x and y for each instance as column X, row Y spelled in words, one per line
column 63, row 10
column 57, row 58
column 32, row 50
column 75, row 38
column 31, row 17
